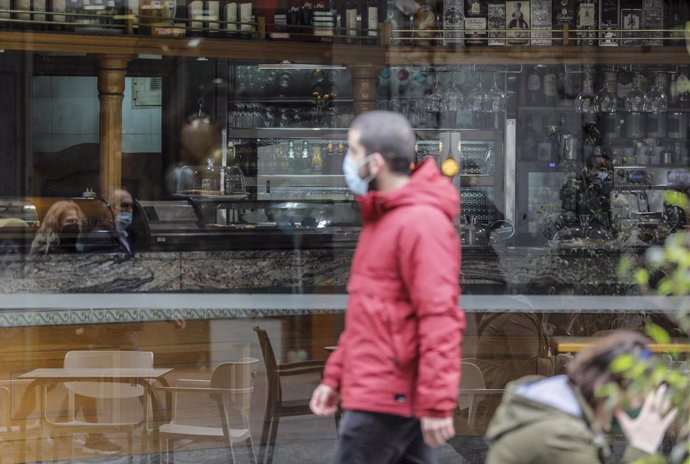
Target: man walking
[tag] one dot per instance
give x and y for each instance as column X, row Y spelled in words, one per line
column 396, row 369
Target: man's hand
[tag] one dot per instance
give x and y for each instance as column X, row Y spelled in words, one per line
column 324, row 401
column 437, row 430
column 646, row 431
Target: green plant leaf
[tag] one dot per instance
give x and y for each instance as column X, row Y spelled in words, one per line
column 657, row 334
column 642, row 277
column 623, row 363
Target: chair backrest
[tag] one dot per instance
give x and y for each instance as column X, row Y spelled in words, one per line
column 237, row 377
column 471, row 379
column 107, row 359
column 272, row 375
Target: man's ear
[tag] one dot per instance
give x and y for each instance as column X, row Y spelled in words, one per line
column 379, row 161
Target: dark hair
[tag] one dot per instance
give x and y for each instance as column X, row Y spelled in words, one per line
column 589, row 162
column 387, row 133
column 591, row 368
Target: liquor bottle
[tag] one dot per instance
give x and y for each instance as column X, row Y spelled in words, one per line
column 653, row 18
column 535, row 91
column 453, row 22
column 350, row 23
column 517, row 27
column 247, row 19
column 195, row 14
column 212, row 13
column 541, row 22
column 683, row 85
column 550, row 85
column 229, row 18
column 317, row 159
column 425, row 23
column 370, row 21
column 339, row 158
column 329, row 162
column 680, row 14
column 323, row 21
column 280, row 21
column 291, row 159
column 304, row 164
column 564, row 14
column 475, row 22
column 306, row 12
column 497, row 23
column 586, row 22
column 631, row 21
column 609, row 23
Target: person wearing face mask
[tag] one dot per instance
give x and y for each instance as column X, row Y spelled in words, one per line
column 123, row 210
column 60, row 229
column 589, row 195
column 396, row 369
column 563, row 419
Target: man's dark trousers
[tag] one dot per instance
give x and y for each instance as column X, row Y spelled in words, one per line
column 375, row 438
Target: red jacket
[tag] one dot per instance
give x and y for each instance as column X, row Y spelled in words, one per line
column 400, row 351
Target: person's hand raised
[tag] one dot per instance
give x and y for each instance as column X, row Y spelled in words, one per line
column 646, row 431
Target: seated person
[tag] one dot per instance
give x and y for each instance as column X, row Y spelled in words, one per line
column 128, row 224
column 561, row 419
column 60, row 229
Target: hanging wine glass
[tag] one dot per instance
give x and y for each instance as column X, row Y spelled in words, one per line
column 478, row 98
column 433, row 103
column 607, row 99
column 634, row 101
column 454, row 101
column 497, row 97
column 656, row 100
column 585, row 102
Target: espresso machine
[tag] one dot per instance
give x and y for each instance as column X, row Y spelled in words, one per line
column 637, row 202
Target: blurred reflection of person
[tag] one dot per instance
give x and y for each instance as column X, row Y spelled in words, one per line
column 588, row 194
column 60, row 229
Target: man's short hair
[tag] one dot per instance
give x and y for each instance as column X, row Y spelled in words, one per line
column 387, row 133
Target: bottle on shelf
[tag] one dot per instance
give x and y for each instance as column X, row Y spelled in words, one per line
column 195, row 15
column 564, row 14
column 329, row 162
column 653, row 22
column 517, row 27
column 279, row 30
column 229, row 17
column 425, row 24
column 609, row 23
column 683, row 86
column 323, row 21
column 304, row 164
column 541, row 22
column 351, row 21
column 339, row 158
column 247, row 19
column 475, row 23
column 212, row 13
column 631, row 21
column 291, row 159
column 317, row 159
column 586, row 22
column 370, row 21
column 496, row 23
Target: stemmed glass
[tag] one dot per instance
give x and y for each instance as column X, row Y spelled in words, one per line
column 478, row 100
column 497, row 97
column 453, row 102
column 607, row 100
column 433, row 104
column 656, row 100
column 585, row 102
column 634, row 101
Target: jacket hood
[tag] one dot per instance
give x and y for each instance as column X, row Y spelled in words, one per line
column 535, row 399
column 427, row 186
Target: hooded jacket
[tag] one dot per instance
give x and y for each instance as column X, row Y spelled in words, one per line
column 545, row 421
column 400, row 350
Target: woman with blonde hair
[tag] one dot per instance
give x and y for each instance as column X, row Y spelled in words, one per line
column 60, row 229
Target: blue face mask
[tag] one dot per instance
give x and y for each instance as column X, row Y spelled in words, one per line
column 125, row 219
column 354, row 182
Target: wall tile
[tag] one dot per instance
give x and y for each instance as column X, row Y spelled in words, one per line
column 135, row 143
column 83, row 86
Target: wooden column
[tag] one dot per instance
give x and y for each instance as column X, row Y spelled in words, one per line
column 111, row 88
column 364, row 87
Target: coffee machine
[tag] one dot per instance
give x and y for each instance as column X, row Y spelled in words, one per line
column 637, row 202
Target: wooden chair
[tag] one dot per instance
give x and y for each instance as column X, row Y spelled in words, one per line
column 275, row 406
column 231, row 387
